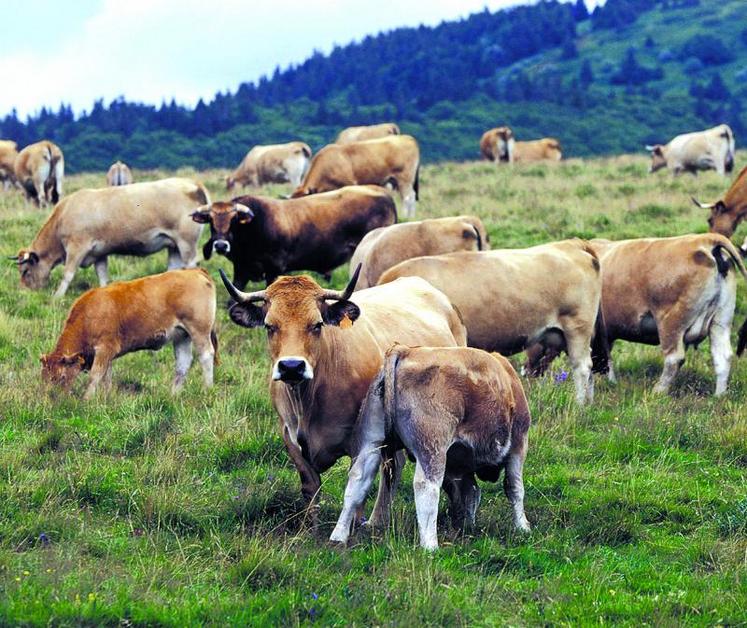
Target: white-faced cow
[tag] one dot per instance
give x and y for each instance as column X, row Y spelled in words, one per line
column 40, row 170
column 545, row 294
column 370, row 132
column 106, row 323
column 325, row 350
column 459, row 412
column 393, row 160
column 273, row 163
column 385, row 247
column 89, row 225
column 673, row 292
column 266, row 237
column 712, row 149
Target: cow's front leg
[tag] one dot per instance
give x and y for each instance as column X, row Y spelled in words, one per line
column 74, row 255
column 102, row 270
column 310, row 480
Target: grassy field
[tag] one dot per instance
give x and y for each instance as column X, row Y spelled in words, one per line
column 157, row 510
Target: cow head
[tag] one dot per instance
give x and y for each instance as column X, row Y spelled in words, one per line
column 658, row 160
column 34, row 270
column 62, row 369
column 222, row 217
column 504, row 143
column 721, row 219
column 230, row 183
column 294, row 311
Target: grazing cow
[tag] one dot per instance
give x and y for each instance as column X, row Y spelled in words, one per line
column 726, row 214
column 498, row 144
column 325, row 349
column 674, row 292
column 274, row 163
column 387, row 246
column 266, row 237
column 119, row 174
column 712, row 149
column 40, row 169
column 177, row 306
column 459, row 412
column 137, row 219
column 546, row 149
column 515, row 298
column 393, row 160
column 8, row 154
column 371, row 132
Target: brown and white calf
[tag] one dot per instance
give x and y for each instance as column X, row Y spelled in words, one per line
column 512, row 298
column 177, row 306
column 674, row 292
column 459, row 412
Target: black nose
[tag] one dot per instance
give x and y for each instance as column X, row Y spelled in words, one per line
column 220, row 246
column 291, row 370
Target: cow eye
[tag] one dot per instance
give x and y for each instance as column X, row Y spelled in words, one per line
column 271, row 329
column 317, row 327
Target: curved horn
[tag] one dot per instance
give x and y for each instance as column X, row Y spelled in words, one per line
column 13, row 257
column 336, row 295
column 703, row 205
column 238, row 295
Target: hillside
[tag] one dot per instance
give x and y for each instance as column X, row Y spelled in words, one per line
column 143, row 509
column 634, row 72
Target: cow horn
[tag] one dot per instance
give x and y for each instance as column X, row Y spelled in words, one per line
column 239, row 296
column 703, row 205
column 336, row 295
column 649, row 147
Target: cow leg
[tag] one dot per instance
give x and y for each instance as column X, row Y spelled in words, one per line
column 513, row 485
column 101, row 267
column 74, row 256
column 102, row 363
column 310, row 480
column 187, row 253
column 719, row 334
column 391, row 473
column 360, row 478
column 408, row 198
column 470, row 497
column 429, row 476
column 183, row 355
column 578, row 345
column 673, row 347
column 452, row 487
column 205, row 356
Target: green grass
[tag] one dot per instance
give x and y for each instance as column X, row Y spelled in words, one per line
column 185, row 510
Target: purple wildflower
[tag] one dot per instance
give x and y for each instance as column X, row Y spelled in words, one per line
column 561, row 377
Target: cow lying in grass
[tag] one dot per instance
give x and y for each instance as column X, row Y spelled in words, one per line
column 105, row 323
column 459, row 412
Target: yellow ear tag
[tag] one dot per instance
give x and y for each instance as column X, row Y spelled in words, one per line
column 346, row 323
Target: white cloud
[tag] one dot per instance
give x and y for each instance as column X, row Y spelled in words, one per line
column 150, row 50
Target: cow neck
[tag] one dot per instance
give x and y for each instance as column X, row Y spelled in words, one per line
column 47, row 244
column 73, row 337
column 259, row 232
column 735, row 198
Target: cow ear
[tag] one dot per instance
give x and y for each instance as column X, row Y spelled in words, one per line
column 207, row 249
column 719, row 208
column 202, row 215
column 247, row 314
column 337, row 312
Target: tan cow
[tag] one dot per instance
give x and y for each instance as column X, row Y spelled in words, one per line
column 325, row 350
column 712, row 149
column 385, row 247
column 513, row 298
column 459, row 412
column 674, row 292
column 727, row 213
column 393, row 160
column 498, row 144
column 8, row 154
column 40, row 170
column 138, row 219
column 119, row 174
column 273, row 163
column 370, row 132
column 546, row 149
column 106, row 323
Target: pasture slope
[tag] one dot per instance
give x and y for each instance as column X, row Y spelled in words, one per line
column 176, row 511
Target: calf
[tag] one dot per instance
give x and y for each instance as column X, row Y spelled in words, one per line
column 459, row 412
column 674, row 292
column 512, row 298
column 265, row 237
column 177, row 306
column 40, row 170
column 385, row 247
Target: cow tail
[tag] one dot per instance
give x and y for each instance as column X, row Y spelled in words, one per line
column 391, row 361
column 600, row 346
column 722, row 243
column 479, row 238
column 742, row 338
column 214, row 342
column 416, row 185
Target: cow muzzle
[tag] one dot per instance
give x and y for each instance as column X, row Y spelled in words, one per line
column 222, row 247
column 292, row 370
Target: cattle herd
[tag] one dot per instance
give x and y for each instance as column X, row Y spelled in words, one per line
column 408, row 358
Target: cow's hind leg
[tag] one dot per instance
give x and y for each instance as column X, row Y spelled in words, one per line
column 673, row 347
column 470, row 497
column 391, row 473
column 183, row 355
column 187, row 253
column 513, row 485
column 720, row 333
column 102, row 270
column 205, row 355
column 578, row 343
column 429, row 475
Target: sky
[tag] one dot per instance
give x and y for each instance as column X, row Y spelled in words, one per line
column 76, row 51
